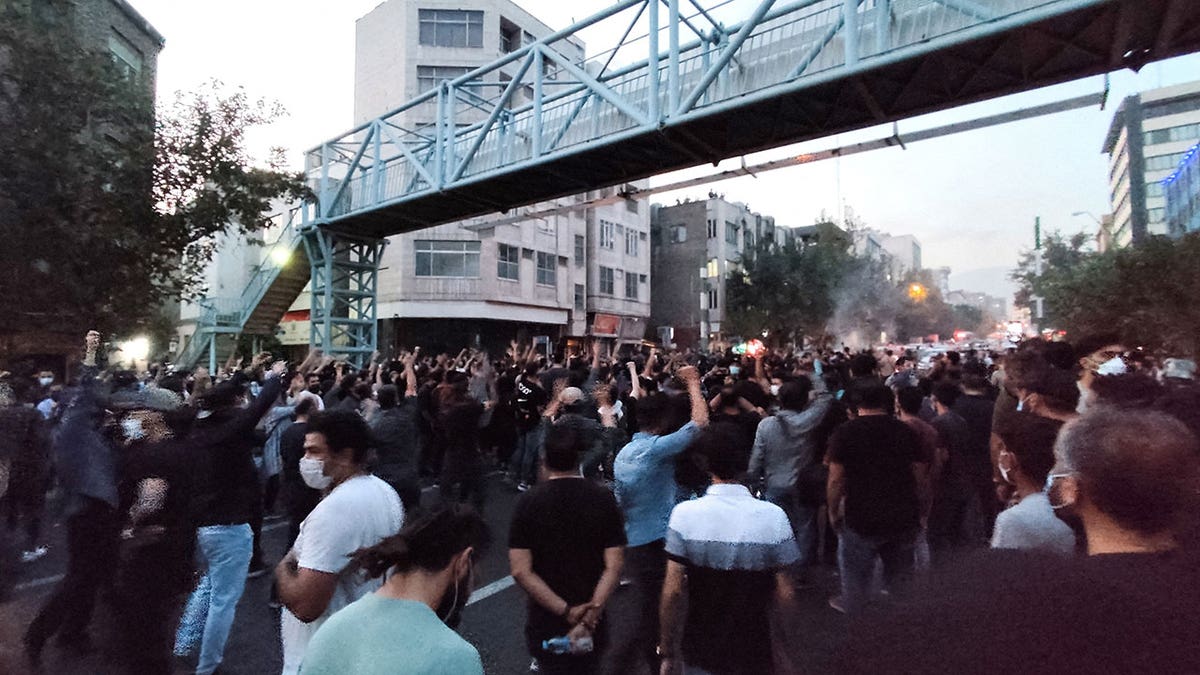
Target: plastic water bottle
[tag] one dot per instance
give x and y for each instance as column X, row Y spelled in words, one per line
column 564, row 645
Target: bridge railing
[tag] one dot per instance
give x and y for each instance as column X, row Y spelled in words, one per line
column 537, row 103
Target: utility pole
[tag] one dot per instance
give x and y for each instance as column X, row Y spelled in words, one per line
column 1038, row 314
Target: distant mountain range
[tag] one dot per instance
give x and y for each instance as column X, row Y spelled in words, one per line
column 990, row 280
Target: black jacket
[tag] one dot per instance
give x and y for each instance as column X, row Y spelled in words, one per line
column 224, row 446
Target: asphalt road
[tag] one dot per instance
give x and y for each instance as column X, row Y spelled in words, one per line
column 493, row 621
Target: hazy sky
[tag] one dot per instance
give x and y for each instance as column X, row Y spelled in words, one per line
column 971, row 198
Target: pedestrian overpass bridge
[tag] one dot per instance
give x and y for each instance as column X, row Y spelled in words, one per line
column 536, row 125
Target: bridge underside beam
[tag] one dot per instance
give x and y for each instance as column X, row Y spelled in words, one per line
column 1090, row 40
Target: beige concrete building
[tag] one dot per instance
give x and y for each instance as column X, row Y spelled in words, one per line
column 1148, row 137
column 696, row 245
column 576, row 273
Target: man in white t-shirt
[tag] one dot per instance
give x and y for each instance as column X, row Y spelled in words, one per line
column 316, row 578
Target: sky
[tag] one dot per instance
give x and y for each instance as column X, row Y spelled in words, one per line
column 971, row 198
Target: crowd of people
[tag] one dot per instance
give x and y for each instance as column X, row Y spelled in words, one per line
column 1033, row 509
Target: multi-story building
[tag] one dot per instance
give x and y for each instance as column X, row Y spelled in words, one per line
column 992, row 306
column 110, row 28
column 1183, row 195
column 1149, row 134
column 696, row 244
column 904, row 254
column 582, row 271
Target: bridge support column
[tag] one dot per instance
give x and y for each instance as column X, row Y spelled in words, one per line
column 345, row 276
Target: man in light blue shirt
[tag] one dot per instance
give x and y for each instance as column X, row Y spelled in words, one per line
column 646, row 490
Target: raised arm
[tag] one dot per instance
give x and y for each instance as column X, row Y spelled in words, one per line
column 691, row 377
column 635, row 381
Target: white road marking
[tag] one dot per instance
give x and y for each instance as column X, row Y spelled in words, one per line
column 490, row 590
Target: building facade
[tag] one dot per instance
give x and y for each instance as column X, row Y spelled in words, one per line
column 111, row 28
column 1149, row 134
column 1183, row 195
column 581, row 271
column 992, row 306
column 904, row 254
column 696, row 244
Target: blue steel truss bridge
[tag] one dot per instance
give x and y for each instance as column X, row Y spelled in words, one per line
column 699, row 91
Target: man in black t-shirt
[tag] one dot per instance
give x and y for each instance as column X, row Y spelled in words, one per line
column 873, row 496
column 529, row 400
column 566, row 547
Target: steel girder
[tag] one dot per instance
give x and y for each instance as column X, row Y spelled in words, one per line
column 579, row 110
column 345, row 277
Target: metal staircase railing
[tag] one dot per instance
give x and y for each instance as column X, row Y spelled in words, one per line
column 229, row 315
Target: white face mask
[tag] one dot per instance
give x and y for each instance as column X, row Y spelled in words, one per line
column 133, row 428
column 735, row 370
column 1114, row 366
column 774, row 390
column 313, row 473
column 45, row 381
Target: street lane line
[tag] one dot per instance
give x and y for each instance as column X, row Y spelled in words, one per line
column 55, row 578
column 490, row 590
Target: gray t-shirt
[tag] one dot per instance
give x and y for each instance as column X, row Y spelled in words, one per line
column 1032, row 525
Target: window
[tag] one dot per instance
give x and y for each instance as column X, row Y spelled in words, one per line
column 632, row 205
column 579, row 255
column 578, row 297
column 1163, row 161
column 428, row 77
column 608, row 234
column 510, row 36
column 547, row 269
column 1168, row 108
column 508, row 262
column 450, row 28
column 731, row 233
column 607, row 285
column 1186, row 132
column 128, row 58
column 447, row 258
column 749, row 239
column 1154, row 190
column 631, row 243
column 679, row 234
column 712, row 229
column 712, row 298
column 631, row 285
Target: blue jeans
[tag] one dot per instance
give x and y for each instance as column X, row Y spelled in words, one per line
column 857, row 554
column 224, row 552
column 525, row 459
column 803, row 518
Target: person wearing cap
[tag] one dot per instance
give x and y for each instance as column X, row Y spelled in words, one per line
column 228, row 496
column 158, row 531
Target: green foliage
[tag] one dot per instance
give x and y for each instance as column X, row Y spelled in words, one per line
column 108, row 212
column 1147, row 293
column 811, row 291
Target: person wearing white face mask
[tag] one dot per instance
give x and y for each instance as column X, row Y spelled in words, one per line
column 316, row 578
column 1098, row 355
column 1024, row 463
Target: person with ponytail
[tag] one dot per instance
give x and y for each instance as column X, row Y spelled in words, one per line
column 406, row 627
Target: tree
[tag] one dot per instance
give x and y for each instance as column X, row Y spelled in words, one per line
column 811, row 290
column 1146, row 293
column 1061, row 259
column 107, row 212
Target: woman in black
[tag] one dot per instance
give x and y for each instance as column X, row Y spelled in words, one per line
column 460, row 418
